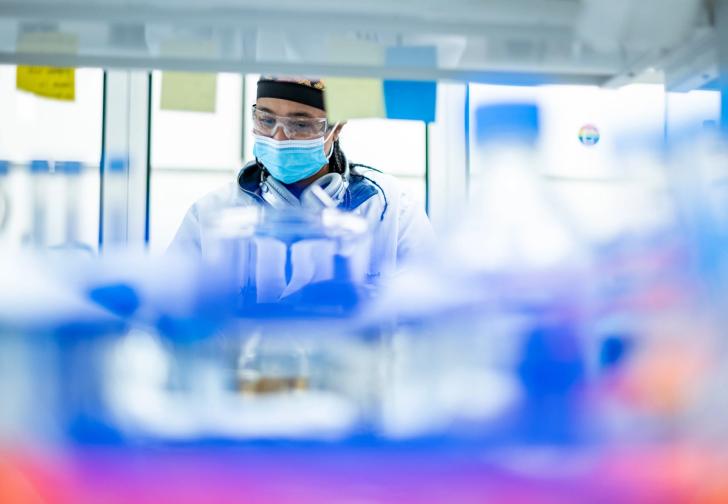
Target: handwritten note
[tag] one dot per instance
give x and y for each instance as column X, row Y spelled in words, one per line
column 188, row 91
column 348, row 97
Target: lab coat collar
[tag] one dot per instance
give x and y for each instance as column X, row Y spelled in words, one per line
column 360, row 189
column 249, row 177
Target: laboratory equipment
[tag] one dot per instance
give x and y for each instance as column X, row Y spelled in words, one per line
column 277, row 368
column 71, row 172
column 181, row 358
column 292, row 259
column 4, row 196
column 511, row 367
column 288, row 363
column 40, row 176
column 515, row 219
column 116, row 192
column 300, row 379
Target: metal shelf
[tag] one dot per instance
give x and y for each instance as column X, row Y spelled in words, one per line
column 495, row 41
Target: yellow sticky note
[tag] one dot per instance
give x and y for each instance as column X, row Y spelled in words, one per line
column 189, row 91
column 49, row 82
column 352, row 98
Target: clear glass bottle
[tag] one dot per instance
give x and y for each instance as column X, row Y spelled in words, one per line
column 71, row 173
column 283, row 257
column 40, row 180
column 115, row 196
column 5, row 208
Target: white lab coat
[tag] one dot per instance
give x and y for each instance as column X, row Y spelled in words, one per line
column 401, row 234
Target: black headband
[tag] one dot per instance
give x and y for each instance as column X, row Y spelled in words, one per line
column 291, row 91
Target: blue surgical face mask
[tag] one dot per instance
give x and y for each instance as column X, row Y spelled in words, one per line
column 291, row 160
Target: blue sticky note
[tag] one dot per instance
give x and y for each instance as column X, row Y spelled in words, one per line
column 410, row 99
column 507, row 121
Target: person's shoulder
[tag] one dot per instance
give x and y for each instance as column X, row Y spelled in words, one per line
column 372, row 173
column 383, row 181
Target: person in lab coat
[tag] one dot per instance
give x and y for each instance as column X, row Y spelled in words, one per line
column 296, row 150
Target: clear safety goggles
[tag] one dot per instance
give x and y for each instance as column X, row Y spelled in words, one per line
column 295, row 128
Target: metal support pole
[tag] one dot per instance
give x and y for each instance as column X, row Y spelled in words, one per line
column 125, row 159
column 448, row 157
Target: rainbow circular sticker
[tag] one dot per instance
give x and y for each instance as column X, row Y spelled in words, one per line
column 589, row 135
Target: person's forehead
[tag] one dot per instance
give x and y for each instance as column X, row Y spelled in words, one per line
column 282, row 107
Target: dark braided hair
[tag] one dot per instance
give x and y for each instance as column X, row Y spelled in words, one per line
column 337, row 162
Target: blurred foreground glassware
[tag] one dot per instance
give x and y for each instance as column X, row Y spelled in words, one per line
column 291, row 259
column 4, row 196
column 268, row 367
